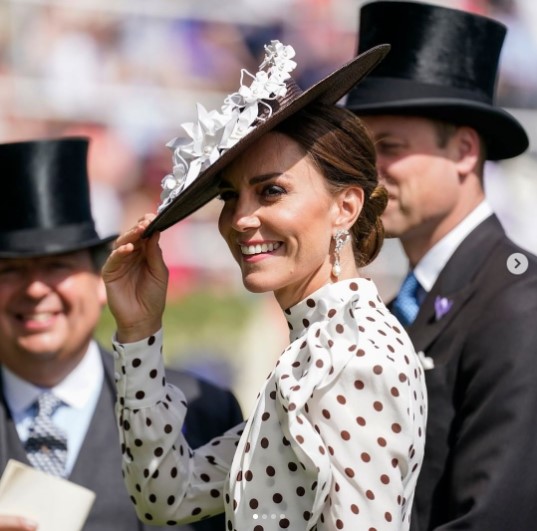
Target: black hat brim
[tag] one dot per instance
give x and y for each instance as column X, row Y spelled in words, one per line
column 43, row 242
column 329, row 90
column 502, row 134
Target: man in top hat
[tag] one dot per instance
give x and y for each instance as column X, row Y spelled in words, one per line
column 430, row 108
column 51, row 297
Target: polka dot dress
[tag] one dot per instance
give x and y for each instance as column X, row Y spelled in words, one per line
column 335, row 440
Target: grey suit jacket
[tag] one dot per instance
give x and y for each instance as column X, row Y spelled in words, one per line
column 98, row 467
column 480, row 466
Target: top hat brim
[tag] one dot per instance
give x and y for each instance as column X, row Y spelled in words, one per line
column 503, row 135
column 329, row 90
column 37, row 243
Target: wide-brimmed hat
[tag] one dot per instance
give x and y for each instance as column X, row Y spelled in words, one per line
column 45, row 199
column 443, row 65
column 217, row 138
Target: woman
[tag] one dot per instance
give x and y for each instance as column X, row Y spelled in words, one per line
column 335, row 440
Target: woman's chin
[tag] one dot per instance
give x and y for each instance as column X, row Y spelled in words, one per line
column 257, row 285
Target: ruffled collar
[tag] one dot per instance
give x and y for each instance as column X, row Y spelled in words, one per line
column 322, row 304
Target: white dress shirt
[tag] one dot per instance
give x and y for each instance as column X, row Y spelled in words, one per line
column 429, row 267
column 79, row 391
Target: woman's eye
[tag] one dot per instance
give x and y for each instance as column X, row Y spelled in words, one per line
column 273, row 191
column 227, row 195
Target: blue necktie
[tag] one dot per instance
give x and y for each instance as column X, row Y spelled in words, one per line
column 406, row 305
column 46, row 446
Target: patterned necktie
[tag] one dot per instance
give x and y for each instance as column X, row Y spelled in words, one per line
column 46, row 445
column 405, row 306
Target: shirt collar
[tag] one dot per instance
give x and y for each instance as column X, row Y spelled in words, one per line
column 74, row 390
column 429, row 267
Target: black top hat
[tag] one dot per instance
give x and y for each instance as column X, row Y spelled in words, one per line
column 328, row 90
column 45, row 202
column 443, row 64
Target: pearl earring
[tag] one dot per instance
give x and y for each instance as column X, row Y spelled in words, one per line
column 340, row 238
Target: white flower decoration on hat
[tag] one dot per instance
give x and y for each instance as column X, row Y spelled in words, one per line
column 214, row 132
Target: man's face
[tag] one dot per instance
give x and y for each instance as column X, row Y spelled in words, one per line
column 49, row 308
column 420, row 174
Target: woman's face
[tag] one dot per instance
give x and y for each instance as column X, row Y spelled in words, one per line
column 278, row 219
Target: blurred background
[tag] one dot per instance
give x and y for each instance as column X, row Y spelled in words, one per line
column 126, row 73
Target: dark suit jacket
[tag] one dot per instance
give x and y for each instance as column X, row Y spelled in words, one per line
column 480, row 466
column 98, row 467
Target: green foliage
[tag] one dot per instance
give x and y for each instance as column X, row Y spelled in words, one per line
column 200, row 321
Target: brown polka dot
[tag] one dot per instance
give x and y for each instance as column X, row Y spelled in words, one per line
column 331, row 313
column 365, row 457
column 385, row 479
column 340, row 328
column 284, row 523
column 378, row 406
column 370, row 494
column 360, row 352
column 311, row 303
column 339, row 524
column 345, row 435
column 360, row 421
column 377, row 369
column 350, row 472
column 270, row 471
column 359, row 384
column 341, row 399
column 277, row 498
column 394, row 391
column 319, row 363
column 355, row 509
column 388, row 517
column 136, row 362
column 139, row 395
column 151, row 340
column 381, row 441
column 396, row 428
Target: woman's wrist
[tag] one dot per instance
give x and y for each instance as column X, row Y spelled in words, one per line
column 134, row 333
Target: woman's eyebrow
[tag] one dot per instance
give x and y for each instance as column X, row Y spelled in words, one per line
column 253, row 180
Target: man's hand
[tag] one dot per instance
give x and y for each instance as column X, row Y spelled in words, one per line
column 16, row 523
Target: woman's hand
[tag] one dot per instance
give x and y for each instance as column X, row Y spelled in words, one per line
column 136, row 280
column 16, row 523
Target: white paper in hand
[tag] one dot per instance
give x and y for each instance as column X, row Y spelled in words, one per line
column 56, row 504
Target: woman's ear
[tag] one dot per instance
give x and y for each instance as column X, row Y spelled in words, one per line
column 350, row 202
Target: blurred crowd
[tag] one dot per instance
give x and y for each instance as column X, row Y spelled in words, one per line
column 126, row 73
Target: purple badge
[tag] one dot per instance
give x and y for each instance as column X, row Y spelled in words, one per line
column 442, row 305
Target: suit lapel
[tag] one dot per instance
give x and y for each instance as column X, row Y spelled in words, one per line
column 456, row 282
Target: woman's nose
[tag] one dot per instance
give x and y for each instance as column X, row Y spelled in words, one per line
column 245, row 217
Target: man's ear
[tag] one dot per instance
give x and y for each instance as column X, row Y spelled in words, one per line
column 350, row 202
column 468, row 145
column 101, row 292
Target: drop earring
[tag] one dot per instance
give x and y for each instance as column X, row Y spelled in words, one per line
column 340, row 239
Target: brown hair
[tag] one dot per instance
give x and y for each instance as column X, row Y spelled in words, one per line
column 339, row 144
